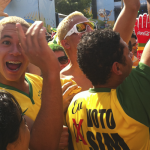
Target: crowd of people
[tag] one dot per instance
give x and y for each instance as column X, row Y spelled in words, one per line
column 88, row 90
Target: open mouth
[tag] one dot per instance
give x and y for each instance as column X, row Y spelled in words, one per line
column 14, row 66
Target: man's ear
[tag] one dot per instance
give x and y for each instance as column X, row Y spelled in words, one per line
column 116, row 68
column 65, row 44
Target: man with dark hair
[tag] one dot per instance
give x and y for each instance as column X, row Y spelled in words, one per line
column 115, row 113
column 75, row 25
column 133, row 48
column 133, row 44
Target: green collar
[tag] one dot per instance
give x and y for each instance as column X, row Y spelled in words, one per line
column 95, row 90
column 15, row 89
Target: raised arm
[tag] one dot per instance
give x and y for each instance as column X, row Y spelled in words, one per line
column 126, row 20
column 145, row 58
column 3, row 5
column 47, row 128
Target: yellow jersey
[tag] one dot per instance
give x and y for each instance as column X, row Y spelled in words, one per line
column 113, row 119
column 31, row 102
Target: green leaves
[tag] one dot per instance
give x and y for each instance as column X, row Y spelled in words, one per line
column 68, row 6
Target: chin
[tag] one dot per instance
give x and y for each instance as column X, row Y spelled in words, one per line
column 12, row 78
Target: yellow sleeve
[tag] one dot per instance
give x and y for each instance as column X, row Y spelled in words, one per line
column 65, row 80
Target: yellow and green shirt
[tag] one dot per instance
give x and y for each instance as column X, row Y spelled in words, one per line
column 113, row 119
column 31, row 102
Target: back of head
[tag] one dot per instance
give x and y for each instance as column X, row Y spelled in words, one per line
column 133, row 35
column 97, row 51
column 10, row 119
column 63, row 27
column 14, row 20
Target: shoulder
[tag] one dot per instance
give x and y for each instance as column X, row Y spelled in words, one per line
column 66, row 79
column 80, row 97
column 34, row 78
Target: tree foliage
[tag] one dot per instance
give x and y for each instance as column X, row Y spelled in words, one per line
column 68, row 6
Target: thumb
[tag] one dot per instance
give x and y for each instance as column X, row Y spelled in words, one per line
column 4, row 14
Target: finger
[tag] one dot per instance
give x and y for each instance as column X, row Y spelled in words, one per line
column 65, row 129
column 4, row 14
column 36, row 32
column 136, row 25
column 63, row 143
column 21, row 36
column 148, row 22
column 140, row 21
column 144, row 20
column 70, row 89
column 67, row 101
column 42, row 39
column 65, row 86
column 28, row 35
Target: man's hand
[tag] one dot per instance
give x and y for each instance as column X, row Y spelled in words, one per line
column 142, row 30
column 67, row 88
column 126, row 19
column 35, row 46
column 3, row 5
column 47, row 127
column 64, row 138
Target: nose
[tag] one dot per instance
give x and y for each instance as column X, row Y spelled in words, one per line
column 88, row 28
column 16, row 50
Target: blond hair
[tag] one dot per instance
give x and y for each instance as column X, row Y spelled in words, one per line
column 14, row 20
column 63, row 27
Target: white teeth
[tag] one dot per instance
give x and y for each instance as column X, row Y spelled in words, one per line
column 14, row 62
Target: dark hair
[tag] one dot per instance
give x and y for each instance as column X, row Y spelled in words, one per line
column 133, row 35
column 97, row 51
column 130, row 44
column 10, row 119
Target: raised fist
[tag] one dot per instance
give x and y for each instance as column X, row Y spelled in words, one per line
column 3, row 5
column 142, row 31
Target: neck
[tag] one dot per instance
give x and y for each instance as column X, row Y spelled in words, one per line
column 75, row 69
column 111, row 83
column 74, row 66
column 20, row 84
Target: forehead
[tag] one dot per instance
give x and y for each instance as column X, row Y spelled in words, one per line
column 77, row 19
column 59, row 53
column 9, row 29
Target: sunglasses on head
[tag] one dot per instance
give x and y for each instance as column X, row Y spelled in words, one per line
column 63, row 59
column 81, row 27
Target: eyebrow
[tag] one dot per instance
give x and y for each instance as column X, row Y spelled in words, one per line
column 6, row 36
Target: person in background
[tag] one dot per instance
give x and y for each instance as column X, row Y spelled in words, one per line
column 33, row 69
column 76, row 24
column 14, row 132
column 133, row 48
column 115, row 113
column 60, row 54
column 41, row 98
column 133, row 45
